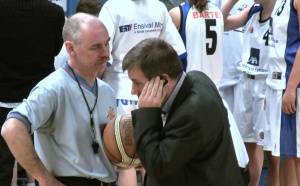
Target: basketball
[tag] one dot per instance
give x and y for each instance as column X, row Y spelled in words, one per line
column 118, row 142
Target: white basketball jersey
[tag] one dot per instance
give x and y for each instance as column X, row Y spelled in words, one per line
column 255, row 47
column 129, row 22
column 232, row 46
column 284, row 43
column 204, row 32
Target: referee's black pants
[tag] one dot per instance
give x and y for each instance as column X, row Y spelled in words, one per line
column 80, row 181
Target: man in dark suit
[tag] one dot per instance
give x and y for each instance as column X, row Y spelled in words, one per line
column 181, row 128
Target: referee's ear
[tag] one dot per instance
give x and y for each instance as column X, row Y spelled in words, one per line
column 70, row 47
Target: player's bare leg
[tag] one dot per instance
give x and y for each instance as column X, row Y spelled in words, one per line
column 297, row 165
column 288, row 172
column 255, row 153
column 273, row 169
column 127, row 177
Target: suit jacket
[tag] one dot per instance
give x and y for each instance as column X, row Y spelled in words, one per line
column 194, row 147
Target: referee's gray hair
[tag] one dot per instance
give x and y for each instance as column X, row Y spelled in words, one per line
column 72, row 30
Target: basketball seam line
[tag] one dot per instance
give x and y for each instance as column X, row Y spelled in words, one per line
column 124, row 156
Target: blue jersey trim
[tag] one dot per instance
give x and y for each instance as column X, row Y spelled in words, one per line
column 82, row 81
column 183, row 59
column 293, row 41
column 21, row 118
column 254, row 9
column 184, row 9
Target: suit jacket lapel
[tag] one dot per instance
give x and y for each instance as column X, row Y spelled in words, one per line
column 183, row 91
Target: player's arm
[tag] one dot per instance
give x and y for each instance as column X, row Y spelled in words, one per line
column 234, row 21
column 176, row 16
column 20, row 144
column 289, row 97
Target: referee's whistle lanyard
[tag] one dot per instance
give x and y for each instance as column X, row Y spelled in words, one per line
column 95, row 144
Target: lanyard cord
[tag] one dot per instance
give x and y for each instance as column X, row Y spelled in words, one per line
column 95, row 144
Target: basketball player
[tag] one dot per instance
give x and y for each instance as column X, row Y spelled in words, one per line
column 249, row 109
column 232, row 54
column 283, row 83
column 65, row 111
column 128, row 22
column 202, row 22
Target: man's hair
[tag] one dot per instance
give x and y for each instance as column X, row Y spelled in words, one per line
column 72, row 30
column 89, row 6
column 154, row 57
column 200, row 5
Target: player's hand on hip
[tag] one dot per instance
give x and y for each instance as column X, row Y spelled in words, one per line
column 50, row 180
column 289, row 102
column 152, row 94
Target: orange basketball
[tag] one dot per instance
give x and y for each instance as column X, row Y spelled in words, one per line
column 118, row 142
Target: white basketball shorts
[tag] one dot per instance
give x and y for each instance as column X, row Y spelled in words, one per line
column 249, row 111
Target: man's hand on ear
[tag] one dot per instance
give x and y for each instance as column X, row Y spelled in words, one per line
column 153, row 93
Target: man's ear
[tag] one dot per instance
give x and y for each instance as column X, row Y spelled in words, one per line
column 165, row 76
column 70, row 47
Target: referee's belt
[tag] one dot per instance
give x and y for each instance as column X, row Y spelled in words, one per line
column 79, row 180
column 257, row 77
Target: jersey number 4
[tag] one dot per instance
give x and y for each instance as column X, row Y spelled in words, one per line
column 211, row 37
column 266, row 38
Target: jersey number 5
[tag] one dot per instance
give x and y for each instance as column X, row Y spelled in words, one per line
column 211, row 37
